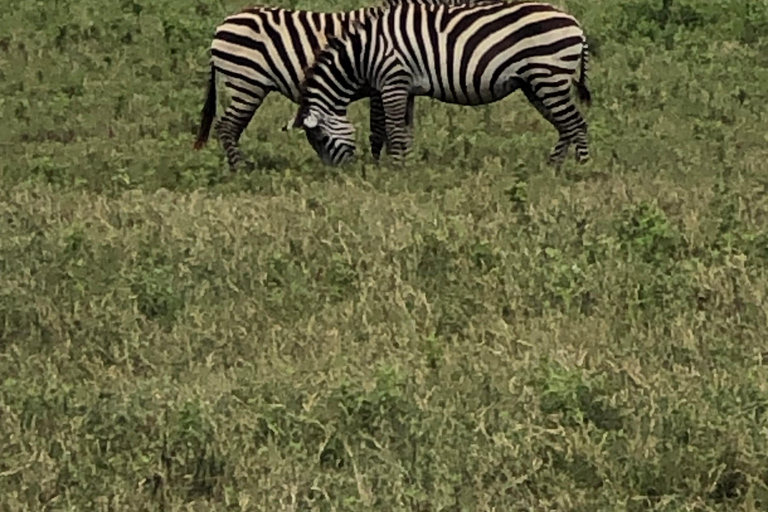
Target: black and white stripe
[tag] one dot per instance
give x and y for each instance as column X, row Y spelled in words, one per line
column 265, row 49
column 465, row 54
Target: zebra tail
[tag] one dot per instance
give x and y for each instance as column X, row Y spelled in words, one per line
column 581, row 86
column 209, row 111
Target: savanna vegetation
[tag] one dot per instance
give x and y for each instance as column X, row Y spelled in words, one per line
column 476, row 331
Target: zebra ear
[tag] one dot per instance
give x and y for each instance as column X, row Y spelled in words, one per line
column 310, row 121
column 295, row 122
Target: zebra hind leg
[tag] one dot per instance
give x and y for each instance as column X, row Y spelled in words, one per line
column 576, row 135
column 231, row 125
column 558, row 154
column 582, row 145
column 223, row 129
column 229, row 129
column 558, row 108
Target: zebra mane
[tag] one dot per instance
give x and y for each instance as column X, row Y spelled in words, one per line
column 371, row 13
column 450, row 3
column 390, row 4
column 336, row 43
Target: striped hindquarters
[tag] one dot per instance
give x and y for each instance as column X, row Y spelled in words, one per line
column 268, row 49
column 471, row 54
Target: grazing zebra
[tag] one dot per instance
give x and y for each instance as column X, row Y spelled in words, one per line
column 466, row 55
column 264, row 49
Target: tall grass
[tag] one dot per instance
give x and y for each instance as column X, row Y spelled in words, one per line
column 474, row 332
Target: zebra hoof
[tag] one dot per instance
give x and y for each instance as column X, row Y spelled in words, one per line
column 555, row 162
column 581, row 158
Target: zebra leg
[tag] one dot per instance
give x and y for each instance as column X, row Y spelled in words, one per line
column 231, row 125
column 558, row 154
column 381, row 125
column 395, row 99
column 582, row 144
column 378, row 136
column 409, row 116
column 557, row 107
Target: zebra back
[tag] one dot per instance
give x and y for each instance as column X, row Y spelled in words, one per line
column 449, row 3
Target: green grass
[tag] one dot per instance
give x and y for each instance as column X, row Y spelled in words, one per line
column 473, row 332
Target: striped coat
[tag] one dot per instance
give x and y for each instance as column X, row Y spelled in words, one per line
column 264, row 49
column 466, row 54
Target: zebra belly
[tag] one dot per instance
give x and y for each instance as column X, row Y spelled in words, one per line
column 486, row 93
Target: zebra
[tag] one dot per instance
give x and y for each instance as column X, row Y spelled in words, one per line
column 263, row 49
column 466, row 54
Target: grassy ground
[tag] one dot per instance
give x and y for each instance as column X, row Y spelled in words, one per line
column 474, row 332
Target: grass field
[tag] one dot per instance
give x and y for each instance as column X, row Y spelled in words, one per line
column 474, row 332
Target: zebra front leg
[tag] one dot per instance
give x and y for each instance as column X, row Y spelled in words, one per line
column 409, row 116
column 378, row 136
column 396, row 100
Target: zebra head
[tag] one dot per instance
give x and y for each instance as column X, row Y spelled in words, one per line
column 332, row 82
column 332, row 136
